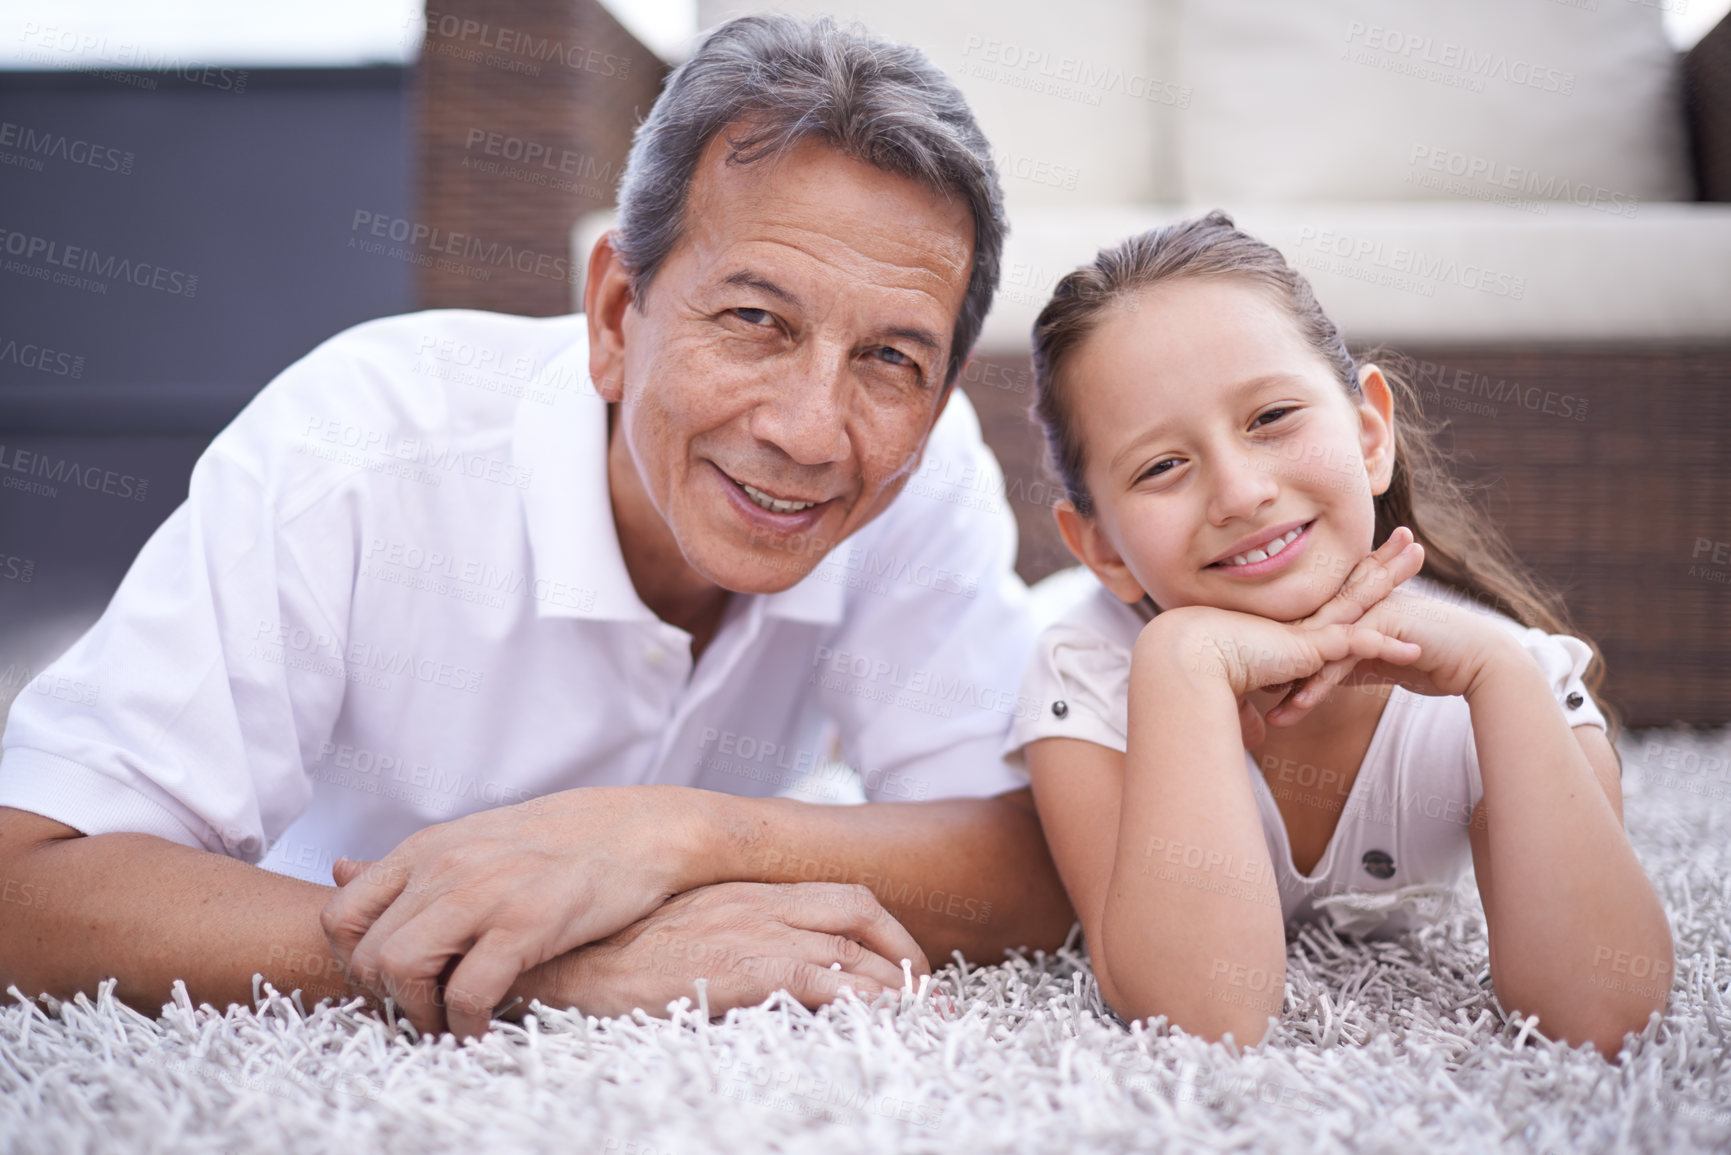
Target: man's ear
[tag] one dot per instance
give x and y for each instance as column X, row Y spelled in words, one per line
column 606, row 299
column 1376, row 427
column 1083, row 536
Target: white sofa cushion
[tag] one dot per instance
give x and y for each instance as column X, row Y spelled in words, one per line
column 1377, row 100
column 1443, row 274
column 1080, row 105
column 1437, row 274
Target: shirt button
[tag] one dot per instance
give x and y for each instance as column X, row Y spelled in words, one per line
column 1060, row 709
column 654, row 655
column 1573, row 701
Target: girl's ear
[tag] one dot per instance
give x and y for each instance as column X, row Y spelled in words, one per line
column 1376, row 428
column 1083, row 536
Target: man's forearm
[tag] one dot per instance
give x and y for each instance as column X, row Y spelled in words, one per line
column 146, row 912
column 968, row 874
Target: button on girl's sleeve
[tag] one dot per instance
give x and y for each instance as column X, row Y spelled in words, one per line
column 1079, row 682
column 1564, row 660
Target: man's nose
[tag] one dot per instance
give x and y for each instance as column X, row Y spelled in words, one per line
column 805, row 413
column 1242, row 486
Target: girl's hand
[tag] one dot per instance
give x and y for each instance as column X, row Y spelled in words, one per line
column 1246, row 652
column 1456, row 644
column 1375, row 576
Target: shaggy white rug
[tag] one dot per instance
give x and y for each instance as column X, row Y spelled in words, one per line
column 1393, row 1047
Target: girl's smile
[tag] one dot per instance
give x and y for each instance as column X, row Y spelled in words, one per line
column 1266, row 552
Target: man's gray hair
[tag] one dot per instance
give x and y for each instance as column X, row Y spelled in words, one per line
column 783, row 79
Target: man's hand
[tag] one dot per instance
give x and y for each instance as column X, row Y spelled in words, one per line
column 747, row 939
column 487, row 897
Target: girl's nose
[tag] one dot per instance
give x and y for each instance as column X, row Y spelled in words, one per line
column 1242, row 485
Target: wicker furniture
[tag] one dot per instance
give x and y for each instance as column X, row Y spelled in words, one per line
column 1624, row 510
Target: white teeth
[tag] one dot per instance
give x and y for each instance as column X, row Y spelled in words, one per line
column 1263, row 553
column 774, row 504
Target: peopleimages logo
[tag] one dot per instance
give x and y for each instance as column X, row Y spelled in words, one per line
column 485, row 37
column 29, row 464
column 28, row 355
column 1490, row 173
column 927, row 691
column 1068, row 77
column 1355, row 255
column 1443, row 380
column 536, row 154
column 80, row 259
column 1036, row 171
column 463, row 246
column 48, row 39
column 1456, row 65
column 59, row 146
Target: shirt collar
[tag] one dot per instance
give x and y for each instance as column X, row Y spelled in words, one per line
column 573, row 541
column 818, row 597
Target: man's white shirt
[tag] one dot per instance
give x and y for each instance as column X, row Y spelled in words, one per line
column 394, row 596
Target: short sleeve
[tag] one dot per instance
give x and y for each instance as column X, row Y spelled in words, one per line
column 1565, row 659
column 1079, row 686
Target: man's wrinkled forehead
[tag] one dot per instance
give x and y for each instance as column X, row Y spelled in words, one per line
column 836, row 210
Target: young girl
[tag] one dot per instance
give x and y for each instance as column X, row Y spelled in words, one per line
column 1228, row 467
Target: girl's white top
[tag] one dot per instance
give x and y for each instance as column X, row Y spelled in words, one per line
column 1401, row 843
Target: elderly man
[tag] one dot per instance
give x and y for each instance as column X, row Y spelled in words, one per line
column 596, row 621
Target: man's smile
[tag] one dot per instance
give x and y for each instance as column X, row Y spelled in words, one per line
column 774, row 508
column 774, row 504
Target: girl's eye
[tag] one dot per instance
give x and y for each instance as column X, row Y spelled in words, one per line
column 755, row 317
column 1268, row 418
column 1158, row 468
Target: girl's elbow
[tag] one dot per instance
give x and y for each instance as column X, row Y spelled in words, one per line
column 1602, row 1018
column 1245, row 1028
column 1619, row 1018
column 1207, row 1000
column 1636, row 987
column 1247, row 1021
column 1611, row 1028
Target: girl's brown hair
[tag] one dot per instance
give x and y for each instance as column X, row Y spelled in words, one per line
column 1463, row 551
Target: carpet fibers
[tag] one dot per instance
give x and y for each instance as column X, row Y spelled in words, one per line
column 1396, row 1046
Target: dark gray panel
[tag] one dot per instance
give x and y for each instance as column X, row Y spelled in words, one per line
column 108, row 383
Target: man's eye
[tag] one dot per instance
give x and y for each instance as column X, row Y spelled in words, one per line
column 1270, row 417
column 753, row 316
column 894, row 356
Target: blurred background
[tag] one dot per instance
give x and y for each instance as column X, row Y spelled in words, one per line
column 1522, row 203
